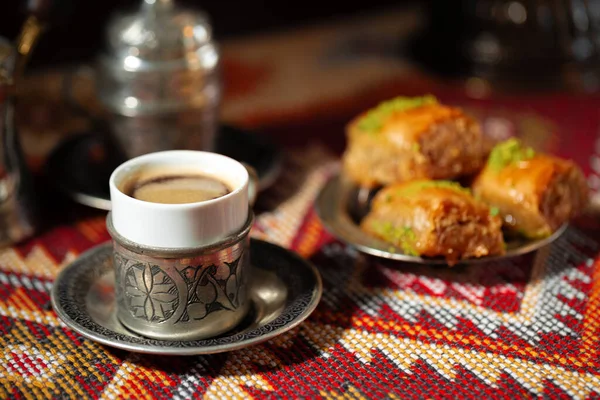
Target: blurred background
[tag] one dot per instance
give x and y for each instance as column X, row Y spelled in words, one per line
column 80, row 33
column 541, row 44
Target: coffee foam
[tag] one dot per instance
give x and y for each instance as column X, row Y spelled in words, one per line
column 180, row 189
column 171, row 184
column 143, row 174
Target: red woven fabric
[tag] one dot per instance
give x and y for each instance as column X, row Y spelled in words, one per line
column 524, row 328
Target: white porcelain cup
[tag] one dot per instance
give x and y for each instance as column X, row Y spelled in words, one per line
column 189, row 225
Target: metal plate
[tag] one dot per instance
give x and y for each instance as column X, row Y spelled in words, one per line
column 341, row 205
column 285, row 290
column 81, row 165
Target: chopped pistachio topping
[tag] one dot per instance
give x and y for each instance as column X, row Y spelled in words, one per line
column 494, row 211
column 509, row 152
column 374, row 118
column 404, row 237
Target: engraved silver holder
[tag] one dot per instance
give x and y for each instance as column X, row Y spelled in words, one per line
column 182, row 294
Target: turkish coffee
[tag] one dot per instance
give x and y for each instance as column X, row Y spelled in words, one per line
column 177, row 189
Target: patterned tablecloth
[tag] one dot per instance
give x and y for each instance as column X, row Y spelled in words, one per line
column 523, row 328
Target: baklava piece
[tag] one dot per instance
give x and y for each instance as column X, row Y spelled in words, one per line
column 534, row 193
column 435, row 219
column 412, row 138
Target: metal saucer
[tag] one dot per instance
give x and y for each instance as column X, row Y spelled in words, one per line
column 341, row 205
column 285, row 290
column 81, row 165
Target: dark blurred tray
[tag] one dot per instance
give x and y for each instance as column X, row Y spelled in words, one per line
column 81, row 165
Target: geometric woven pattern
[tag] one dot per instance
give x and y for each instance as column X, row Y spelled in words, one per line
column 529, row 327
column 520, row 329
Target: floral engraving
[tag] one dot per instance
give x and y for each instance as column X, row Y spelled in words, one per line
column 211, row 288
column 151, row 294
column 76, row 285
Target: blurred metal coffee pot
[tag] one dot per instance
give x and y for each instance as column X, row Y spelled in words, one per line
column 159, row 78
